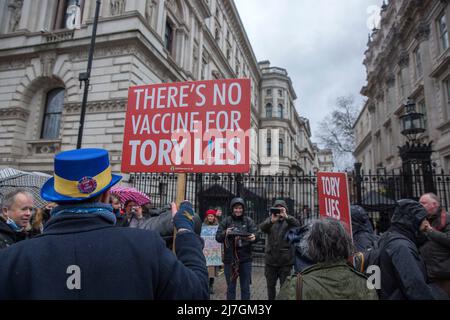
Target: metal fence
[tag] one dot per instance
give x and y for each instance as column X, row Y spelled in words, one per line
column 376, row 192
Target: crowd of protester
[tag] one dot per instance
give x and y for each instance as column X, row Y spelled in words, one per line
column 131, row 250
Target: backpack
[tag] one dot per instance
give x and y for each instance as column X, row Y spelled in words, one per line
column 362, row 260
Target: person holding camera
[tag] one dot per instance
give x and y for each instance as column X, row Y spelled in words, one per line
column 279, row 255
column 237, row 232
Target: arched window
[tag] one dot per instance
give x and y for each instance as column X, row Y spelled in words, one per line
column 281, row 148
column 52, row 116
column 268, row 110
column 280, row 110
column 269, row 147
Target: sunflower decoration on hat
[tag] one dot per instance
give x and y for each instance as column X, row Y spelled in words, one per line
column 79, row 175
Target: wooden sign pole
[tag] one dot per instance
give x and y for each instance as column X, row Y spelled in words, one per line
column 181, row 194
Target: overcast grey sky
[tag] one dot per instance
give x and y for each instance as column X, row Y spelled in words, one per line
column 321, row 43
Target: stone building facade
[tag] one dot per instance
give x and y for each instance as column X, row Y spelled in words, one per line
column 325, row 159
column 408, row 57
column 44, row 47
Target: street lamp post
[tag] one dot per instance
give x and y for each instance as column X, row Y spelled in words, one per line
column 85, row 76
column 416, row 156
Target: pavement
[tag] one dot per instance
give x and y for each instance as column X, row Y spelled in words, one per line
column 258, row 287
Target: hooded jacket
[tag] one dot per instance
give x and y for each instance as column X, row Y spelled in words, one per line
column 436, row 251
column 363, row 235
column 327, row 281
column 8, row 236
column 279, row 252
column 161, row 222
column 242, row 223
column 403, row 272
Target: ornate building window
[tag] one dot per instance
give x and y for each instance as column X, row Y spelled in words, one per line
column 168, row 37
column 269, row 92
column 280, row 111
column 423, row 110
column 69, row 14
column 281, row 147
column 443, row 32
column 52, row 116
column 447, row 96
column 269, row 110
column 269, row 147
column 280, row 93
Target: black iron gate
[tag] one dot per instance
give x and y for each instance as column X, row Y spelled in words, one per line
column 376, row 192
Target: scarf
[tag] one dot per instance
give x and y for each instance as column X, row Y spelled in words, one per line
column 100, row 209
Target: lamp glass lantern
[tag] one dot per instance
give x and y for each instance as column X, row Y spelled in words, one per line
column 413, row 123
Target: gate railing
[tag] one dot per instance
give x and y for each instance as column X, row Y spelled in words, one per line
column 376, row 192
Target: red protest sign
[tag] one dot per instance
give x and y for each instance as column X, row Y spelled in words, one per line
column 334, row 201
column 201, row 126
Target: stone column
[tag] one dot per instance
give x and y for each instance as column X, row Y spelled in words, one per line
column 161, row 19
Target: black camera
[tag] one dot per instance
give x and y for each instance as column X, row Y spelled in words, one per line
column 237, row 232
column 275, row 211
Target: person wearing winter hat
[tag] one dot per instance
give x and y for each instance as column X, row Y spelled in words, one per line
column 280, row 254
column 81, row 255
column 212, row 249
column 237, row 232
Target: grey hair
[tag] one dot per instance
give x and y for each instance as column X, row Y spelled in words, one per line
column 328, row 242
column 9, row 198
column 433, row 196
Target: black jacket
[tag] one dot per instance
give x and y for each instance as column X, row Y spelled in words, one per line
column 403, row 272
column 8, row 236
column 363, row 235
column 436, row 251
column 278, row 250
column 115, row 263
column 161, row 222
column 242, row 223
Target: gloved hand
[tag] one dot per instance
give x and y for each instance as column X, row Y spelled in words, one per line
column 184, row 218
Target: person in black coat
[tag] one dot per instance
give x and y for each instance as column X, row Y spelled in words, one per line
column 81, row 255
column 436, row 251
column 363, row 236
column 403, row 272
column 279, row 254
column 237, row 232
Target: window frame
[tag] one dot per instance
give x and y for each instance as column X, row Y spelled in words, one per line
column 169, row 38
column 442, row 33
column 280, row 147
column 280, row 111
column 269, row 107
column 269, row 147
column 46, row 113
column 447, row 96
column 422, row 106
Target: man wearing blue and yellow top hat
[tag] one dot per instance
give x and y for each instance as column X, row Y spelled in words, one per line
column 81, row 255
